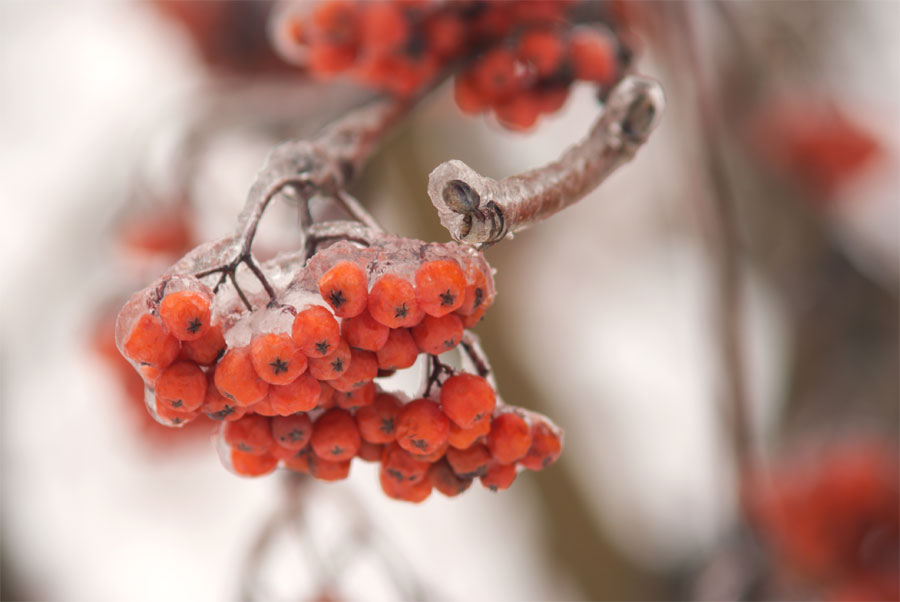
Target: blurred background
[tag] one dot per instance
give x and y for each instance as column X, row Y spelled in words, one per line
column 715, row 327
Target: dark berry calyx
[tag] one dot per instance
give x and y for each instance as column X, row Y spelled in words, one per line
column 337, row 298
column 194, row 326
column 447, row 298
column 278, row 365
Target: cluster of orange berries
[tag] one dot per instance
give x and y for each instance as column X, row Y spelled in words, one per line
column 521, row 55
column 297, row 387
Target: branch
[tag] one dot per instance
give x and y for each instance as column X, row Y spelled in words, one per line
column 478, row 209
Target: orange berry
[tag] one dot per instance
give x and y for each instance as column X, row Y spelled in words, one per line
column 182, row 386
column 292, row 432
column 435, row 455
column 438, row 335
column 519, row 113
column 357, row 398
column 402, row 466
column 545, row 447
column 421, row 426
column 370, row 452
column 469, row 463
column 250, row 465
column 543, row 50
column 399, row 352
column 299, row 462
column 377, row 421
column 440, row 287
column 496, row 74
column 510, row 438
column 301, row 395
column 461, row 438
column 475, row 318
column 327, row 398
column 326, row 470
column 217, row 407
column 276, row 359
column 593, row 56
column 363, row 368
column 476, row 294
column 467, row 399
column 327, row 59
column 185, row 314
column 263, row 407
column 251, row 434
column 468, row 97
column 174, row 416
column 316, row 332
column 407, row 491
column 551, row 100
column 151, row 373
column 332, row 366
column 335, row 21
column 237, row 380
column 445, row 34
column 206, row 349
column 335, row 436
column 285, row 454
column 445, row 480
column 150, row 343
column 364, row 332
column 392, row 302
column 384, row 27
column 345, row 288
column 499, row 476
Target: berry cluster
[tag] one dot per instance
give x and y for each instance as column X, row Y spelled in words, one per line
column 520, row 56
column 293, row 381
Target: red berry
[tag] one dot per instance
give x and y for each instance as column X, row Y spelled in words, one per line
column 335, row 436
column 345, row 288
column 499, row 476
column 301, row 395
column 276, row 359
column 292, row 432
column 370, row 452
column 407, row 491
column 357, row 398
column 377, row 422
column 399, row 351
column 440, row 287
column 218, row 407
column 364, row 332
column 445, row 480
column 545, row 447
column 461, row 438
column 251, row 434
column 402, row 466
column 186, row 314
column 363, row 368
column 150, row 343
column 467, row 399
column 327, row 470
column 316, row 332
column 421, row 426
column 250, row 465
column 593, row 56
column 182, row 386
column 510, row 438
column 543, row 50
column 469, row 463
column 206, row 349
column 392, row 302
column 237, row 380
column 331, row 366
column 438, row 335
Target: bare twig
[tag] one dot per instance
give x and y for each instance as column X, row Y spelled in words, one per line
column 477, row 209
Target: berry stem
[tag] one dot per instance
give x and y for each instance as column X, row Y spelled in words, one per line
column 472, row 346
column 477, row 209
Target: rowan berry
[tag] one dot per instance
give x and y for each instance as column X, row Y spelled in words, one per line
column 384, row 27
column 438, row 335
column 182, row 386
column 468, row 97
column 186, row 315
column 364, row 332
column 520, row 112
column 332, row 366
column 151, row 373
column 285, row 454
column 461, row 438
column 469, row 463
column 445, row 480
column 335, row 21
column 218, row 407
column 252, row 465
column 440, row 287
column 433, row 456
column 237, row 380
column 276, row 359
column 345, row 288
column 326, row 470
column 543, row 50
column 328, row 59
column 392, row 302
column 316, row 332
column 301, row 395
column 421, row 426
column 593, row 56
column 292, row 432
column 174, row 416
column 407, row 491
column 263, row 407
column 299, row 462
column 399, row 351
column 496, row 74
column 475, row 318
column 327, row 397
column 150, row 343
column 370, row 452
column 445, row 34
column 510, row 438
column 357, row 398
column 467, row 399
column 251, row 434
column 402, row 466
column 499, row 476
column 377, row 422
column 550, row 100
column 363, row 368
column 545, row 447
column 335, row 436
column 475, row 295
column 206, row 349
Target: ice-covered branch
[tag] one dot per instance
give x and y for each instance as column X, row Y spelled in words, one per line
column 477, row 209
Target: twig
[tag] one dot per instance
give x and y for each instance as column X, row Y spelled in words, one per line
column 477, row 209
column 472, row 347
column 434, row 374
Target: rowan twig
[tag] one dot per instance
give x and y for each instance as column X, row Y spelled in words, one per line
column 477, row 209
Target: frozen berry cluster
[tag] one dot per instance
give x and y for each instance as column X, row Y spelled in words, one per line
column 516, row 58
column 293, row 381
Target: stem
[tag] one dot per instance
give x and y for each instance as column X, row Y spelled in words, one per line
column 472, row 346
column 478, row 209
